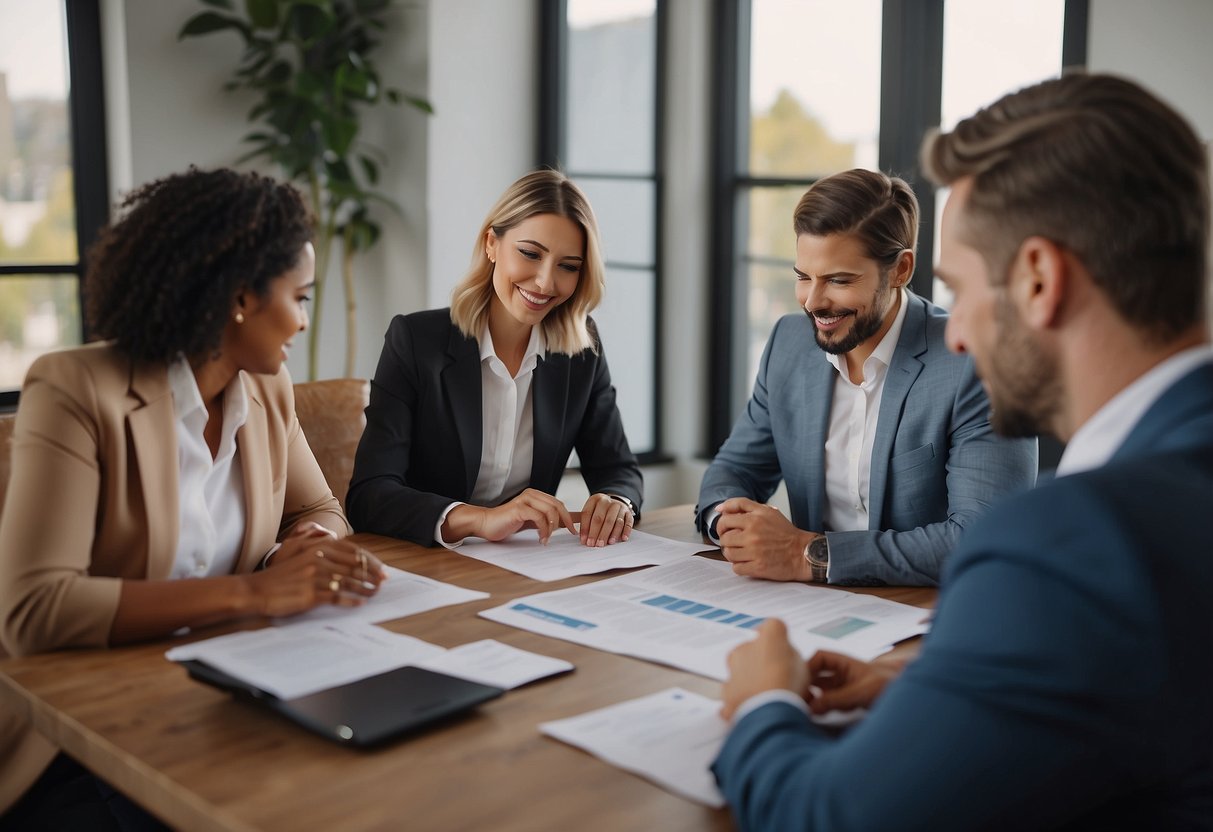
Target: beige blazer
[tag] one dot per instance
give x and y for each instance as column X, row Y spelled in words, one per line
column 93, row 501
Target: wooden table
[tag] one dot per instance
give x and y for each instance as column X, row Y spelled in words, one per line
column 201, row 760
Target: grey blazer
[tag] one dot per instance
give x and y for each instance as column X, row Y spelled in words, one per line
column 936, row 463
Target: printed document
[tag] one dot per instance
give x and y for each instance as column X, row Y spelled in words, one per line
column 294, row 661
column 691, row 613
column 670, row 738
column 403, row 593
column 564, row 556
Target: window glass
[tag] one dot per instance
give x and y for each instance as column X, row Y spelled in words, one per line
column 990, row 49
column 814, row 86
column 38, row 313
column 612, row 71
column 626, row 223
column 626, row 321
column 37, row 212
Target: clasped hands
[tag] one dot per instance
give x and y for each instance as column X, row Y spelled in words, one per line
column 313, row 567
column 761, row 543
column 601, row 522
column 828, row 681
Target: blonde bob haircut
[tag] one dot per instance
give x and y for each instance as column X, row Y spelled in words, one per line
column 540, row 192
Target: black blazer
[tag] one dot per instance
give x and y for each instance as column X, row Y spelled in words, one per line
column 421, row 448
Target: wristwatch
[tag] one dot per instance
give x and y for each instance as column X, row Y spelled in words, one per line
column 817, row 553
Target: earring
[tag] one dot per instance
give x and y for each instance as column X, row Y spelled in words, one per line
column 239, row 317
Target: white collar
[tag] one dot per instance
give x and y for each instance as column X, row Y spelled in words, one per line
column 536, row 348
column 187, row 398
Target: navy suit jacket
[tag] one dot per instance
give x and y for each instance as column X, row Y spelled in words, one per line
column 936, row 463
column 1068, row 677
column 421, row 448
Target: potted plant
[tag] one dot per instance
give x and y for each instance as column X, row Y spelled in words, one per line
column 309, row 62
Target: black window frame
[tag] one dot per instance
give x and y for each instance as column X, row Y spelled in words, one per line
column 90, row 181
column 911, row 89
column 552, row 142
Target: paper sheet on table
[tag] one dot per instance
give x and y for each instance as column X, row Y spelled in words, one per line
column 294, row 661
column 403, row 593
column 490, row 662
column 670, row 738
column 564, row 556
column 690, row 614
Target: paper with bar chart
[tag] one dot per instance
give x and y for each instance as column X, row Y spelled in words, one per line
column 690, row 614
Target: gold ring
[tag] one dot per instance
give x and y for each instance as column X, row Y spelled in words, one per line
column 319, row 553
column 362, row 563
column 335, row 584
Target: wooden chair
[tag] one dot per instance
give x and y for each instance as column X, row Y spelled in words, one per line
column 7, row 421
column 331, row 415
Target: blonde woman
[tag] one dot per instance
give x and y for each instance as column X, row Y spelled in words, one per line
column 475, row 409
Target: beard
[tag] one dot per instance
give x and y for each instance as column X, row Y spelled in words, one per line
column 1022, row 380
column 863, row 326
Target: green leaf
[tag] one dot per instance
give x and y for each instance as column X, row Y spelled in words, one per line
column 206, row 22
column 420, row 103
column 262, row 13
column 310, row 22
column 370, row 169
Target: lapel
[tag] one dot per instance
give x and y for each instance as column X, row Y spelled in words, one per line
column 253, row 441
column 818, row 396
column 1175, row 420
column 901, row 375
column 153, row 435
column 549, row 399
column 461, row 385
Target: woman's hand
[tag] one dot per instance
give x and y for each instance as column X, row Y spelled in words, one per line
column 844, row 683
column 529, row 510
column 605, row 520
column 311, row 569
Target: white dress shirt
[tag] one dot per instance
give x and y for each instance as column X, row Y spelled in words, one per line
column 507, row 442
column 1098, row 438
column 853, row 416
column 852, row 431
column 210, row 491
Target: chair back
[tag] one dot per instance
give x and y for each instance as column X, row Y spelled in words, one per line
column 7, row 421
column 331, row 415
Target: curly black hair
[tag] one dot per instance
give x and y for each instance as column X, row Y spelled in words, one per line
column 162, row 279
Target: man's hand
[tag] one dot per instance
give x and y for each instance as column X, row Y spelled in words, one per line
column 761, row 543
column 846, row 683
column 769, row 662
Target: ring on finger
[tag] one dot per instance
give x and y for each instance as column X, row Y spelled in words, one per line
column 335, row 584
column 319, row 553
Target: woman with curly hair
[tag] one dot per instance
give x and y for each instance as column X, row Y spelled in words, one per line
column 475, row 409
column 154, row 472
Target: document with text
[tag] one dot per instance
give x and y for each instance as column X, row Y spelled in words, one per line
column 690, row 614
column 290, row 662
column 670, row 737
column 402, row 594
column 564, row 556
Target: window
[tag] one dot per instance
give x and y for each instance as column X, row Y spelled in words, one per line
column 53, row 192
column 599, row 123
column 814, row 87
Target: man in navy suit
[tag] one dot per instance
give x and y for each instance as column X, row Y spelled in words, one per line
column 882, row 436
column 1068, row 677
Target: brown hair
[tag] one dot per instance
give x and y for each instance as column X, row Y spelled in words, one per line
column 539, row 192
column 881, row 211
column 1101, row 167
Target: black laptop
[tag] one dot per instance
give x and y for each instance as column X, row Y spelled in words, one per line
column 367, row 712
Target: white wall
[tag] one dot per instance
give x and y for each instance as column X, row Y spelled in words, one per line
column 1163, row 45
column 483, row 84
column 167, row 109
